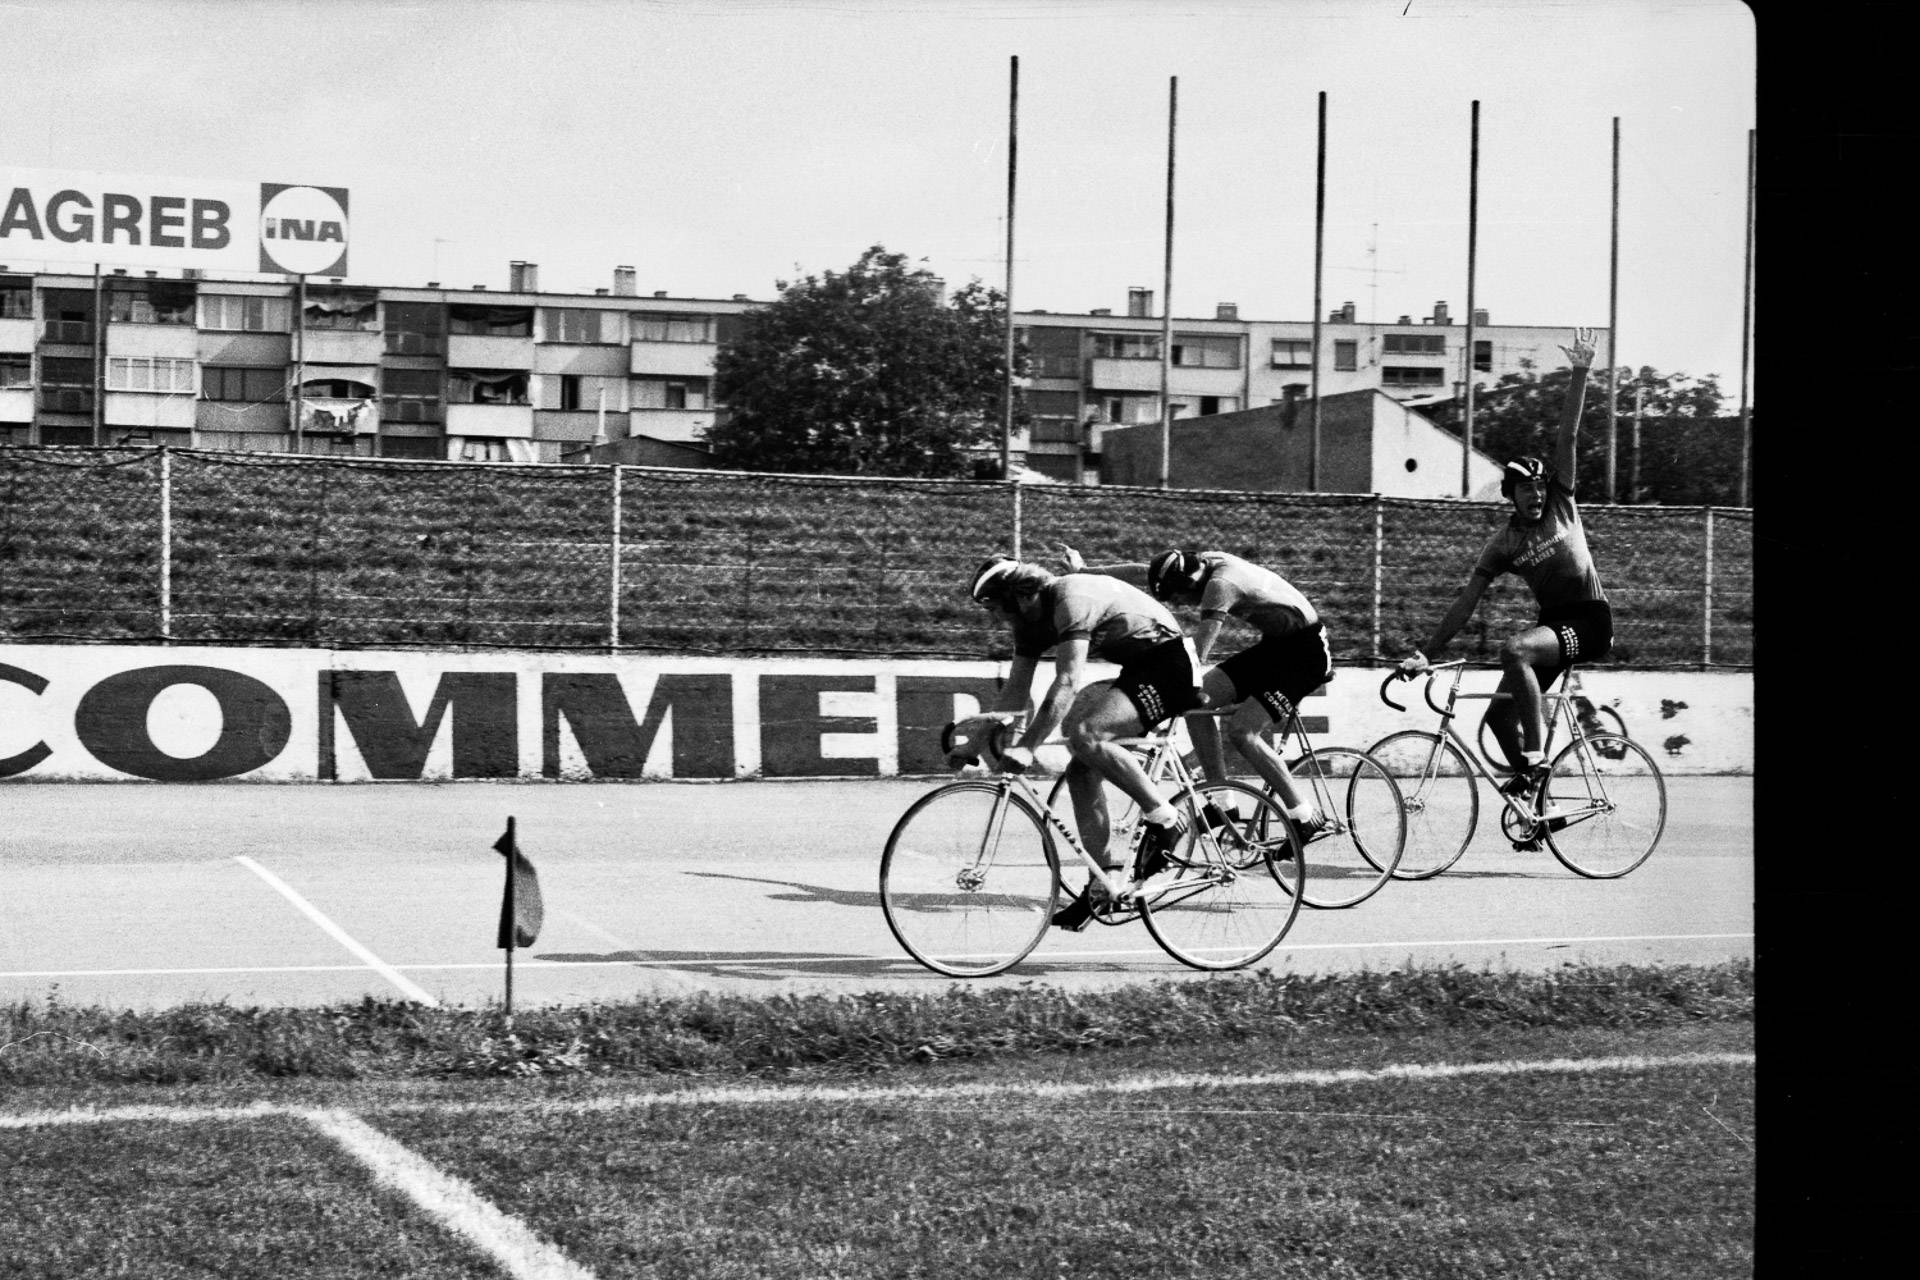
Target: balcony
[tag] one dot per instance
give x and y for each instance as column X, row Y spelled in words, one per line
column 684, row 425
column 16, row 404
column 66, row 400
column 137, row 409
column 340, row 346
column 16, row 335
column 480, row 351
column 694, row 359
column 501, row 421
column 75, row 333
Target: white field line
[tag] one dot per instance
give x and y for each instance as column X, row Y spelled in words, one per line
column 335, row 932
column 454, row 1203
column 528, row 964
column 741, row 1095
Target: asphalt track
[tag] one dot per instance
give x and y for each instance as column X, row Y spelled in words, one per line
column 148, row 895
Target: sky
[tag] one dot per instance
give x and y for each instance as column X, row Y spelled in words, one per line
column 722, row 146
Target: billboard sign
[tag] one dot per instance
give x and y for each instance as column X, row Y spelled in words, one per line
column 215, row 225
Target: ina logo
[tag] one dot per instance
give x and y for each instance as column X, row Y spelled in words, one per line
column 303, row 230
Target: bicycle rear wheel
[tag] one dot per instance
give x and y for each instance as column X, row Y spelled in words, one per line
column 969, row 879
column 1231, row 892
column 1605, row 805
column 1441, row 797
column 1367, row 825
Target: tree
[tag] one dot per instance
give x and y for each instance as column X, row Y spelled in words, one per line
column 1689, row 450
column 866, row 371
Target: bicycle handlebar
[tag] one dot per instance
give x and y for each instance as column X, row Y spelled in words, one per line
column 1432, row 670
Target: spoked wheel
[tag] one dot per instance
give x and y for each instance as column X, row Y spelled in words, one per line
column 1441, row 798
column 1366, row 831
column 1232, row 889
column 969, row 879
column 1605, row 806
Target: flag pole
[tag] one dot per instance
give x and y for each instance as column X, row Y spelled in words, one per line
column 1013, row 171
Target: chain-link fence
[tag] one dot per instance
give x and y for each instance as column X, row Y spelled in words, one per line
column 223, row 548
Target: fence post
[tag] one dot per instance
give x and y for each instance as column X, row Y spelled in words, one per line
column 613, row 571
column 166, row 543
column 1018, row 516
column 1379, row 559
column 1706, row 613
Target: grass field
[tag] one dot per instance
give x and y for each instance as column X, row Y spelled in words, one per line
column 1412, row 1123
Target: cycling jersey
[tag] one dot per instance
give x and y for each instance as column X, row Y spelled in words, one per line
column 1259, row 597
column 1120, row 622
column 1550, row 555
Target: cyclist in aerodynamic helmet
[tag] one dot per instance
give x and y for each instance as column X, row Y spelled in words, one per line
column 1267, row 679
column 1080, row 618
column 1544, row 543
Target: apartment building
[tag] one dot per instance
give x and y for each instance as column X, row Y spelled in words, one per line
column 327, row 367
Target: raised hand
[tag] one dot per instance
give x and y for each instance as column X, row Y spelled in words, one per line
column 1073, row 559
column 1580, row 354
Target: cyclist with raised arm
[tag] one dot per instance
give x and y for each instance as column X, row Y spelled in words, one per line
column 1543, row 543
column 1266, row 680
column 1081, row 617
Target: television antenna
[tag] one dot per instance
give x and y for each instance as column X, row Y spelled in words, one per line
column 1374, row 271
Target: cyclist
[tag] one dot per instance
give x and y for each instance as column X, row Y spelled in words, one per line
column 1545, row 545
column 1081, row 617
column 1267, row 679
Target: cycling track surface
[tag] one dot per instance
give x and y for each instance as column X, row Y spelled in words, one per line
column 149, row 895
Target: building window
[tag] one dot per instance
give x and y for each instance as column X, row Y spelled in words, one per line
column 1346, row 354
column 1483, row 355
column 410, row 395
column 430, row 448
column 1051, row 352
column 1054, row 431
column 16, row 300
column 1194, row 351
column 16, row 371
column 249, row 385
column 1126, row 346
column 149, row 373
column 341, row 309
column 155, row 302
column 1218, row 404
column 491, row 322
column 243, row 314
column 1131, row 411
column 667, row 326
column 572, row 324
column 1412, row 376
column 416, row 329
column 670, row 393
column 1292, row 353
column 487, row 386
column 66, row 371
column 1414, row 344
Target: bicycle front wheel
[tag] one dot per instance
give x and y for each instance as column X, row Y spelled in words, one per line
column 1366, row 829
column 1604, row 806
column 1230, row 893
column 1441, row 797
column 969, row 879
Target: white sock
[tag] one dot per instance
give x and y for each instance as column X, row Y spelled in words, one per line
column 1300, row 812
column 1162, row 816
column 1532, row 759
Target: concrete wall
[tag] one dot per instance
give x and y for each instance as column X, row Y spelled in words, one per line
column 134, row 712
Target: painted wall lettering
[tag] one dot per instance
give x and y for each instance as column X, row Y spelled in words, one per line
column 486, row 735
column 595, row 708
column 111, row 722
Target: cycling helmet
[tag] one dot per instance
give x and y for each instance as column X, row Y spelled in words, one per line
column 1003, row 577
column 1171, row 572
column 1521, row 471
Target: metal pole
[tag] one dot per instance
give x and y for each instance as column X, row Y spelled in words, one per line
column 166, row 543
column 299, row 364
column 1166, row 299
column 1746, row 333
column 1319, row 257
column 1633, row 476
column 512, row 919
column 1613, row 320
column 1379, row 561
column 1706, row 597
column 613, row 569
column 1473, row 241
column 99, row 361
column 1013, row 169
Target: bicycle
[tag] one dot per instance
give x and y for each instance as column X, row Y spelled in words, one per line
column 1595, row 717
column 1601, row 809
column 970, row 877
column 1357, row 853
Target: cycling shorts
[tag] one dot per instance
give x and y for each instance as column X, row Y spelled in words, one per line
column 1281, row 670
column 1585, row 632
column 1159, row 682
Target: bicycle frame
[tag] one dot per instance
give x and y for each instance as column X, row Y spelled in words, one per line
column 1561, row 708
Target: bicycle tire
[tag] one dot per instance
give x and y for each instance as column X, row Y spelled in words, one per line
column 1440, row 795
column 1611, row 725
column 1123, row 816
column 1491, row 753
column 969, row 879
column 1613, row 816
column 1367, row 832
column 1225, row 901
